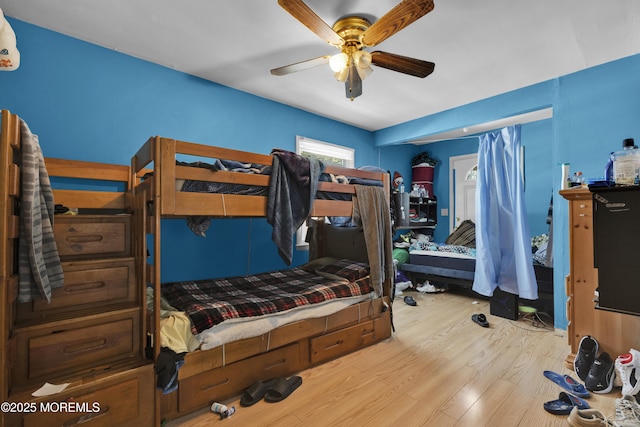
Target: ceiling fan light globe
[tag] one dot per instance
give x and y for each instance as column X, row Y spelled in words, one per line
column 364, row 72
column 342, row 75
column 362, row 58
column 338, row 62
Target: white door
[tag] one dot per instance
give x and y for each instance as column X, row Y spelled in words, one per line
column 463, row 172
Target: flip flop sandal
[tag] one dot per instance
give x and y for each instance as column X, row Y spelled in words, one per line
column 256, row 392
column 481, row 320
column 409, row 300
column 564, row 404
column 568, row 383
column 282, row 389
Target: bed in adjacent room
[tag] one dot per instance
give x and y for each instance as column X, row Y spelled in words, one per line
column 454, row 263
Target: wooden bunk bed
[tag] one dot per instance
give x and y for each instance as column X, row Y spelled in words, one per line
column 90, row 335
column 226, row 370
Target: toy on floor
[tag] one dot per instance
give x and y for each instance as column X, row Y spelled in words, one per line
column 224, row 411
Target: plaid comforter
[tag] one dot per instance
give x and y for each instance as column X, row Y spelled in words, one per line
column 210, row 302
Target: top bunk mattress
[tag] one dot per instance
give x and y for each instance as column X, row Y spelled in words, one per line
column 194, row 186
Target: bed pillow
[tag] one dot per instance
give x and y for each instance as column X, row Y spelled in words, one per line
column 314, row 264
column 464, row 235
column 344, row 269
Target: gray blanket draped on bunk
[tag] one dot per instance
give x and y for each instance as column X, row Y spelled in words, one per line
column 371, row 211
column 292, row 189
column 39, row 265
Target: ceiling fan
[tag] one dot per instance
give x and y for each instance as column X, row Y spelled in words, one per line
column 351, row 35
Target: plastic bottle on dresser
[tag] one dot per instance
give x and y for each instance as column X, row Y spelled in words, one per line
column 608, row 170
column 626, row 163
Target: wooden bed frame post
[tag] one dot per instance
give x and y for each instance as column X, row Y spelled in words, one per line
column 156, row 232
column 146, row 202
column 9, row 192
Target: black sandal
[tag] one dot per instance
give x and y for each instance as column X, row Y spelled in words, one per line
column 256, row 392
column 409, row 300
column 481, row 320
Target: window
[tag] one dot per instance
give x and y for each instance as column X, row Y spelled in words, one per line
column 472, row 174
column 327, row 153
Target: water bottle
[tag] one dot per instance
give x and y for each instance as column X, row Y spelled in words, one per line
column 626, row 163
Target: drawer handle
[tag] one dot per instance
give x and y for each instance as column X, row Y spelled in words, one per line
column 85, row 346
column 334, row 345
column 86, row 417
column 84, row 286
column 275, row 364
column 218, row 384
column 85, row 239
column 368, row 332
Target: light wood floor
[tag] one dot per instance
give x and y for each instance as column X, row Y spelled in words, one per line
column 438, row 369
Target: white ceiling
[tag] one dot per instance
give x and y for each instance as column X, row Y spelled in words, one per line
column 480, row 48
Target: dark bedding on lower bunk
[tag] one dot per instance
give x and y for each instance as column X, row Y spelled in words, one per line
column 213, row 301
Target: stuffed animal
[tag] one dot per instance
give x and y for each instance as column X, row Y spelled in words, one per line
column 9, row 55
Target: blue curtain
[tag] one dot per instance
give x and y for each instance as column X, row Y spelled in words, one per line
column 503, row 242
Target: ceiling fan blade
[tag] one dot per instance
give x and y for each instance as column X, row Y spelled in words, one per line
column 303, row 13
column 403, row 14
column 301, row 66
column 402, row 64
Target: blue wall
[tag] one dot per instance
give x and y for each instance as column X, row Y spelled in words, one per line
column 89, row 103
column 593, row 111
column 536, row 138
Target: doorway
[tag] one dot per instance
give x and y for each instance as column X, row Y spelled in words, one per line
column 463, row 172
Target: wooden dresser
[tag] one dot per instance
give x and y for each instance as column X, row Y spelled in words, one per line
column 616, row 333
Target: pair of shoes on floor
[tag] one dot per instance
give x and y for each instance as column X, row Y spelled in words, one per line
column 272, row 391
column 627, row 415
column 597, row 371
column 428, row 288
column 628, row 371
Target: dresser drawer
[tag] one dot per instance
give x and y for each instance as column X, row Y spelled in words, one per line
column 92, row 236
column 58, row 348
column 218, row 384
column 87, row 284
column 122, row 399
column 347, row 340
